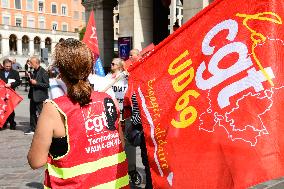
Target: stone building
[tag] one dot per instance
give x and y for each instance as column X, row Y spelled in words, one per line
column 146, row 21
column 26, row 26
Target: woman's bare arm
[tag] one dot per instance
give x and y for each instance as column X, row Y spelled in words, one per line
column 49, row 119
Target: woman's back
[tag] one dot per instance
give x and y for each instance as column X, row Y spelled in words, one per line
column 94, row 147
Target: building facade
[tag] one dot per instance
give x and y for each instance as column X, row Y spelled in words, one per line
column 26, row 26
column 146, row 22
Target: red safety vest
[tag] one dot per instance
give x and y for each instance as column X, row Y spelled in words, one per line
column 95, row 157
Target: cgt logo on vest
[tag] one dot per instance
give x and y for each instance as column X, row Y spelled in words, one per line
column 100, row 115
column 95, row 118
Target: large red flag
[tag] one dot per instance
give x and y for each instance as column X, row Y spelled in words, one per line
column 211, row 97
column 91, row 40
column 9, row 99
column 90, row 37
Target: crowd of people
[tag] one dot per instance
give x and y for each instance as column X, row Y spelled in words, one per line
column 70, row 106
column 38, row 81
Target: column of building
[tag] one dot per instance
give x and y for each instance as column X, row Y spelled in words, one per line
column 31, row 46
column 104, row 24
column 136, row 21
column 192, row 7
column 42, row 43
column 5, row 45
column 19, row 45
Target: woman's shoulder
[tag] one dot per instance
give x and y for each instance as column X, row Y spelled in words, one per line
column 61, row 100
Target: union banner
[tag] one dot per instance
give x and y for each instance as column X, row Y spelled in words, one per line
column 9, row 99
column 211, row 97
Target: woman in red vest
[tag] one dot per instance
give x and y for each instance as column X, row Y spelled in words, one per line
column 78, row 136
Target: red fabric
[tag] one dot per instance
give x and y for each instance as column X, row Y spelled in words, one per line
column 127, row 102
column 89, row 140
column 212, row 118
column 9, row 99
column 90, row 37
column 147, row 50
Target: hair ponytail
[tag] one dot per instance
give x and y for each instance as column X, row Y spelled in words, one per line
column 75, row 62
column 80, row 92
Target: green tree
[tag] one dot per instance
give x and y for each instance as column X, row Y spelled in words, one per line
column 82, row 33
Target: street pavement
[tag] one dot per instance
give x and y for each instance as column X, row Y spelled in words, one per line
column 15, row 172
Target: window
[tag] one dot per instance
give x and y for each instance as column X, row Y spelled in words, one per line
column 63, row 10
column 40, row 6
column 76, row 29
column 5, row 3
column 18, row 22
column 30, row 5
column 53, row 9
column 76, row 15
column 30, row 23
column 6, row 20
column 41, row 24
column 64, row 27
column 18, row 4
column 54, row 26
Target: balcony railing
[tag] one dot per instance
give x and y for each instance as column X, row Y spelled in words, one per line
column 35, row 30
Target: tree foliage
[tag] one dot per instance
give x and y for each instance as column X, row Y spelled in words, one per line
column 82, row 33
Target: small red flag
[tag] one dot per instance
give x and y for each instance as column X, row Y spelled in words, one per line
column 211, row 97
column 9, row 99
column 90, row 37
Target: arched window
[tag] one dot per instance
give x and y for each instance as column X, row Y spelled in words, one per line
column 13, row 44
column 25, row 45
column 48, row 44
column 37, row 45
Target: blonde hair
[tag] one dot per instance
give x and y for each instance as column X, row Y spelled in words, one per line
column 119, row 62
